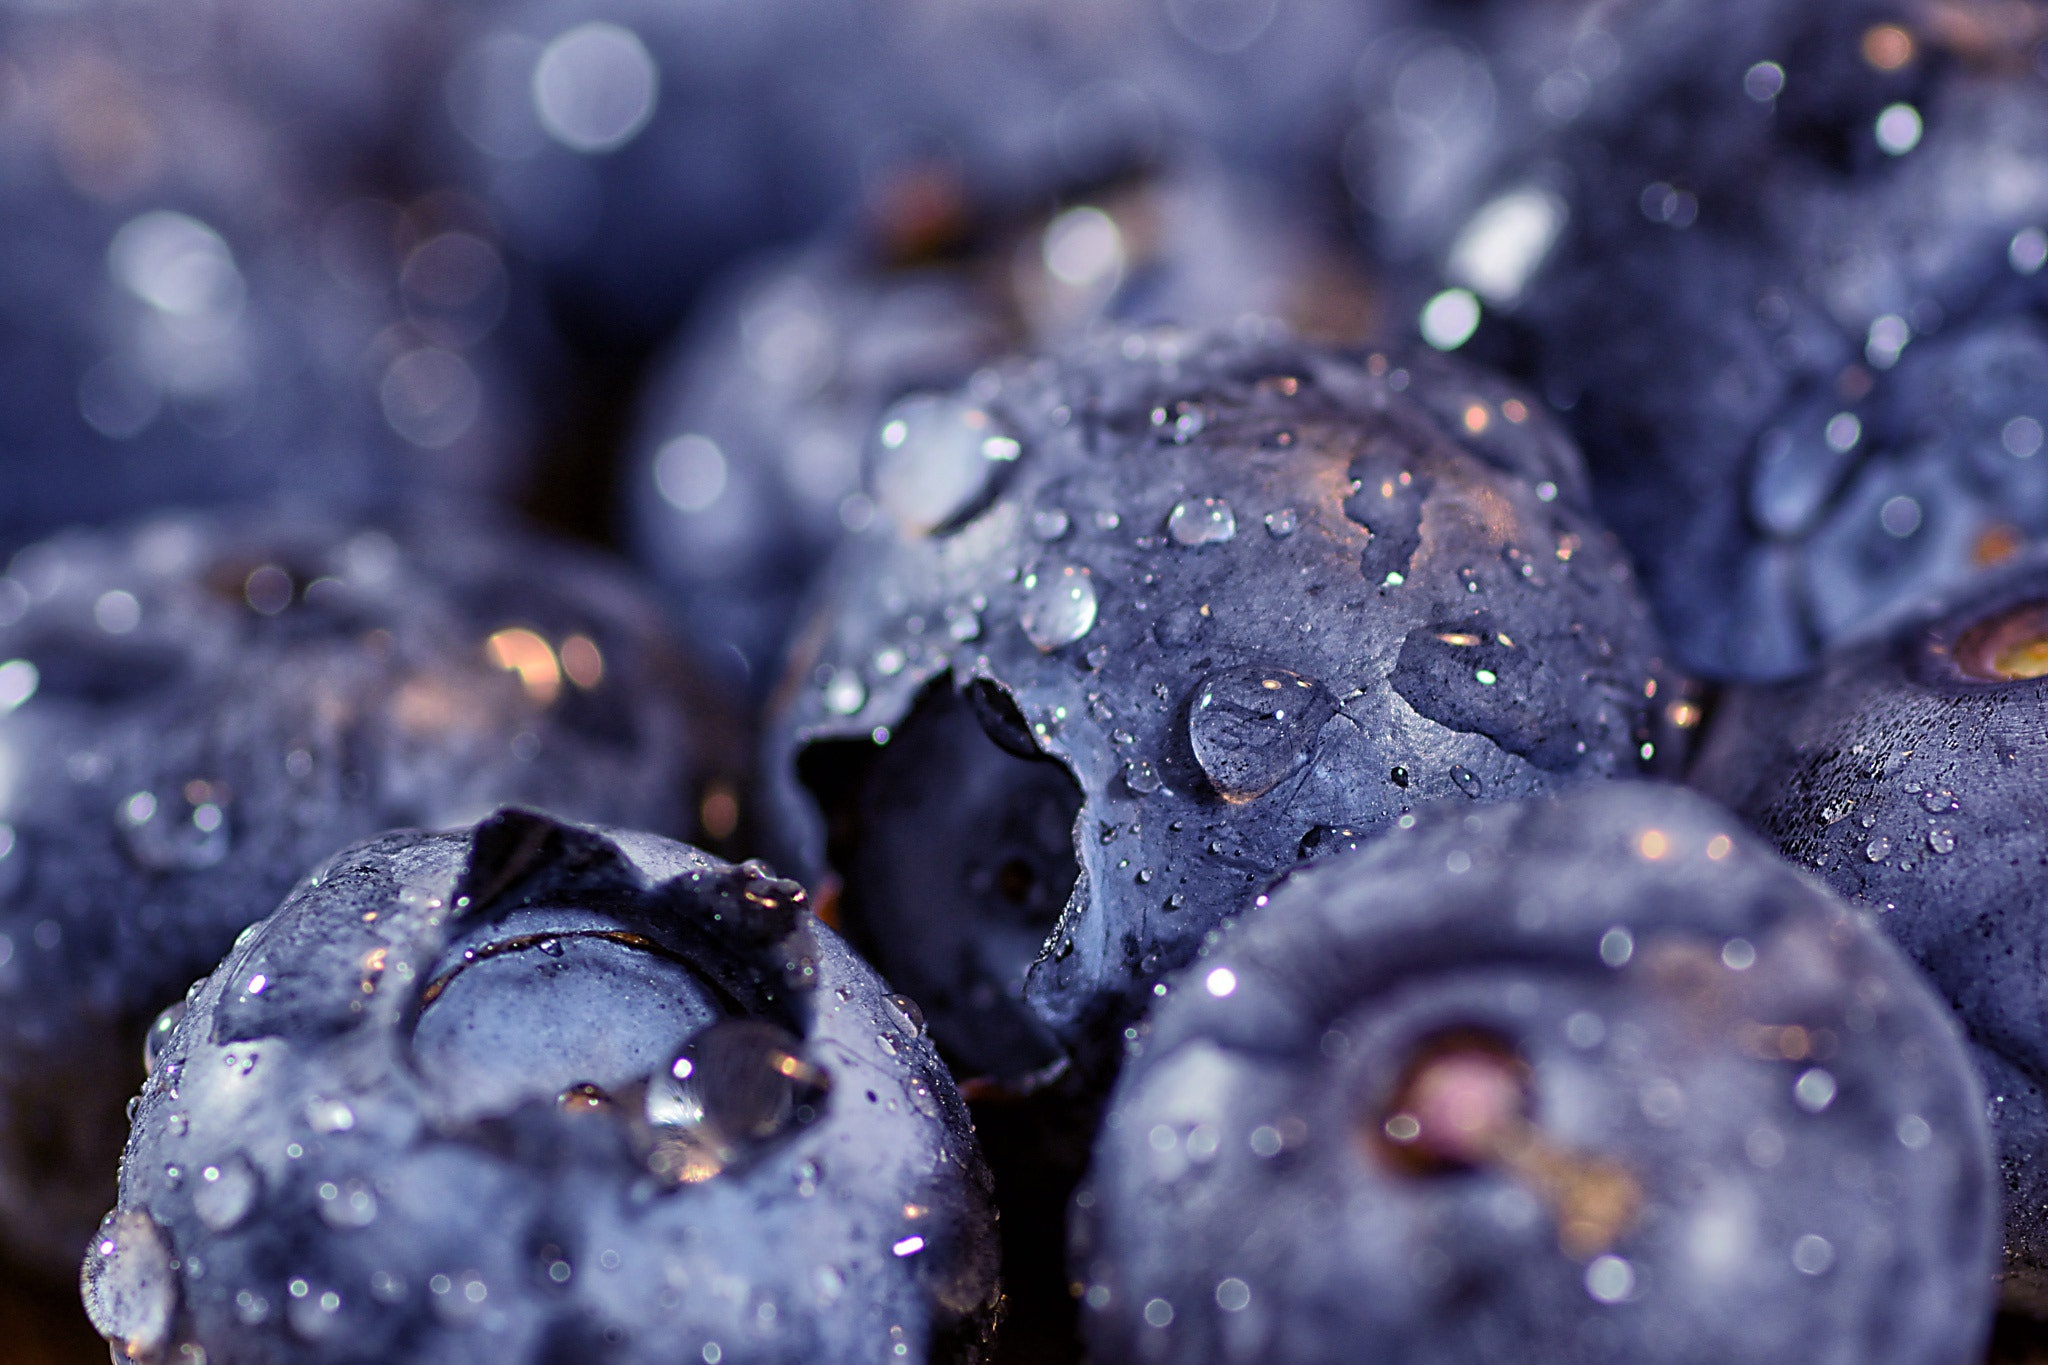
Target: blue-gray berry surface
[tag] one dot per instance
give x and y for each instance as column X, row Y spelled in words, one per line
column 539, row 1092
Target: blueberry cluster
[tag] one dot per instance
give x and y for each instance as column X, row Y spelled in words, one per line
column 1387, row 656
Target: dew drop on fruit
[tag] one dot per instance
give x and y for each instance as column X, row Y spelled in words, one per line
column 1878, row 849
column 934, row 457
column 905, row 1014
column 1059, row 605
column 740, row 1083
column 1141, row 777
column 1281, row 524
column 1252, row 726
column 1202, row 521
column 160, row 1031
column 225, row 1191
column 1466, row 780
column 1942, row 840
column 130, row 1290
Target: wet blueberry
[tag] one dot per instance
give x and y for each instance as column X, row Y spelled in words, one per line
column 748, row 467
column 1903, row 775
column 1585, row 1078
column 1798, row 332
column 539, row 1092
column 195, row 710
column 1282, row 575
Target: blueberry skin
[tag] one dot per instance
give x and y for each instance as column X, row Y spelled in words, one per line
column 1903, row 774
column 1241, row 589
column 1794, row 358
column 786, row 371
column 197, row 709
column 1245, row 1204
column 817, row 1197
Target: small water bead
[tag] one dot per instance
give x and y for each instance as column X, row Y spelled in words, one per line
column 1878, row 849
column 1466, row 781
column 934, row 458
column 1814, row 1090
column 159, row 1035
column 129, row 1286
column 1282, row 524
column 1251, row 727
column 176, row 833
column 1202, row 521
column 1059, row 605
column 1141, row 777
column 225, row 1192
column 1939, row 801
column 1942, row 840
column 844, row 692
column 905, row 1014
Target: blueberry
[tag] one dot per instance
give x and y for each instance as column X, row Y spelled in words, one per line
column 1585, row 1078
column 184, row 321
column 1231, row 590
column 196, row 710
column 541, row 1092
column 748, row 467
column 1901, row 773
column 1807, row 372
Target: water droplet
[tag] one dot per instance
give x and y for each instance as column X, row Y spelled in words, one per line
column 739, row 1084
column 1059, row 605
column 1812, row 1254
column 922, row 1098
column 844, row 692
column 1282, row 524
column 1466, row 780
column 129, row 1287
column 1252, row 726
column 905, row 1014
column 329, row 1116
column 175, row 833
column 1049, row 523
column 225, row 1192
column 1878, row 849
column 1202, row 521
column 1939, row 801
column 934, row 458
column 1610, row 1279
column 160, row 1031
column 1814, row 1090
column 1141, row 777
column 962, row 624
column 1942, row 840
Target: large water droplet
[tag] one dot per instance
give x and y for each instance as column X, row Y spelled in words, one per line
column 1059, row 605
column 129, row 1288
column 934, row 458
column 1252, row 726
column 739, row 1084
column 1201, row 521
column 1878, row 849
column 1466, row 780
column 174, row 833
column 225, row 1192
